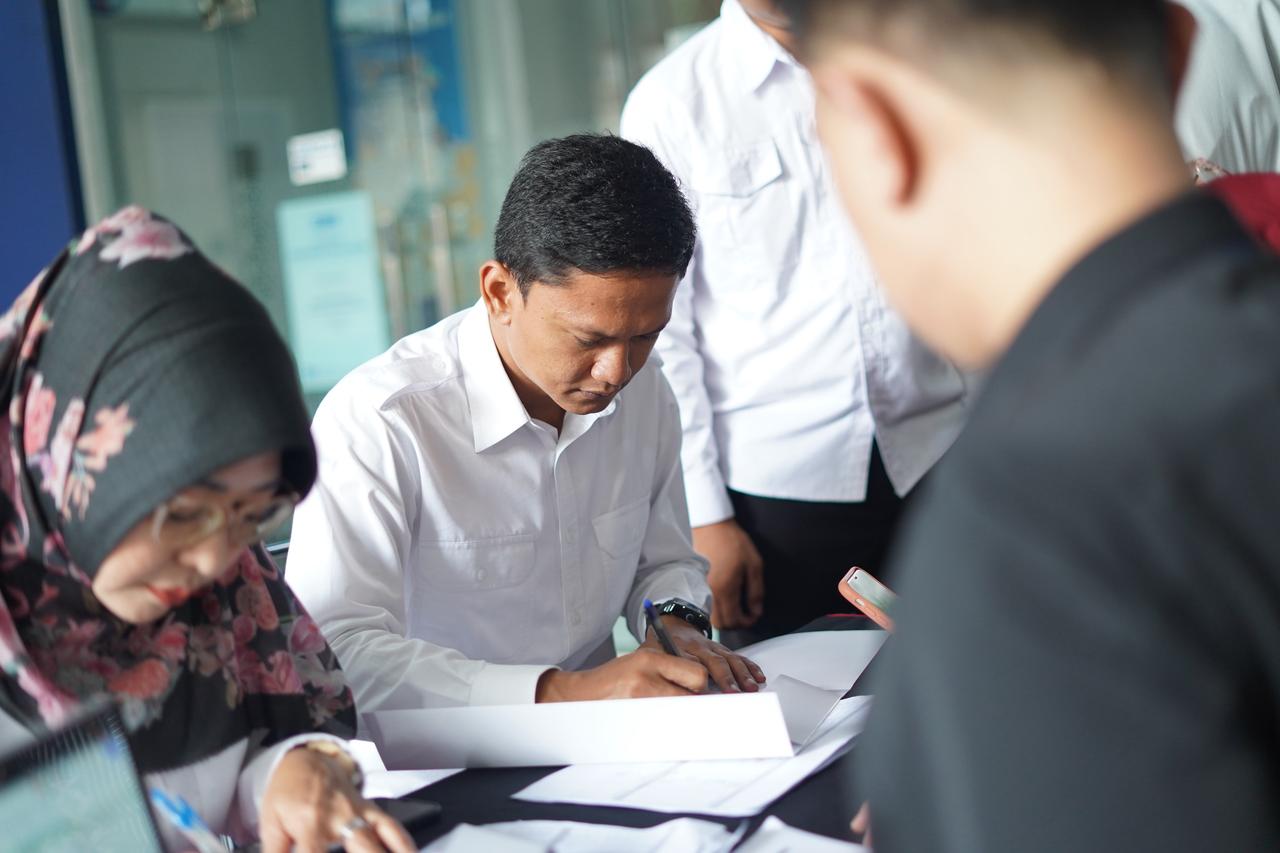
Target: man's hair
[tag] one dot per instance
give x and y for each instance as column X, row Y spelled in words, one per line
column 593, row 203
column 1125, row 38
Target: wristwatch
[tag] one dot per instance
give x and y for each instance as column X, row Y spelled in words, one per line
column 691, row 613
column 340, row 757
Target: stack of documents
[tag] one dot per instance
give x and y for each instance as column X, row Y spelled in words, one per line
column 685, row 835
column 562, row 836
column 774, row 836
column 720, row 788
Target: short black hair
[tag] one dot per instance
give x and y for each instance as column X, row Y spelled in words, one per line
column 1128, row 39
column 593, row 203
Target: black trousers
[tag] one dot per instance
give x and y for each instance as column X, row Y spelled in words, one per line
column 807, row 546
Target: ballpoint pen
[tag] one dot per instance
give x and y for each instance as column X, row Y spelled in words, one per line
column 187, row 820
column 651, row 614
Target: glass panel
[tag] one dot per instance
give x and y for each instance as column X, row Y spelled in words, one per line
column 347, row 159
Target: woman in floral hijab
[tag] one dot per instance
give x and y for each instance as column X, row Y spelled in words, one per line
column 154, row 432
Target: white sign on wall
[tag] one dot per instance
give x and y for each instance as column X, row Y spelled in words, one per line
column 333, row 287
column 317, row 157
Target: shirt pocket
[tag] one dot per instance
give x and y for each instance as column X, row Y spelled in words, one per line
column 747, row 219
column 620, row 534
column 478, row 564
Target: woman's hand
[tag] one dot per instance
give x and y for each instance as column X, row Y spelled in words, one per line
column 310, row 804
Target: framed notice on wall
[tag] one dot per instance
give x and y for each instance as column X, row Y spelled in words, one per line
column 334, row 295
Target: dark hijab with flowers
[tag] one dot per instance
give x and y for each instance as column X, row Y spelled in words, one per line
column 134, row 367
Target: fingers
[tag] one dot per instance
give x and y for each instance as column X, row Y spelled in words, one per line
column 724, row 615
column 393, row 836
column 720, row 671
column 682, row 672
column 362, row 840
column 747, row 671
column 743, row 671
column 726, row 597
column 351, row 826
column 272, row 835
column 732, row 673
column 862, row 823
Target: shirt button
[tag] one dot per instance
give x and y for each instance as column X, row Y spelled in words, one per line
column 576, row 618
column 479, row 574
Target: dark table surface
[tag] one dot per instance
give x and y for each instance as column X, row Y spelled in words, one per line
column 823, row 803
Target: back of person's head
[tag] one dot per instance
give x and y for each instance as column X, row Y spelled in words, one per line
column 596, row 204
column 1125, row 41
column 983, row 146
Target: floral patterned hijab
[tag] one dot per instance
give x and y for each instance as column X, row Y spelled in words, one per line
column 134, row 367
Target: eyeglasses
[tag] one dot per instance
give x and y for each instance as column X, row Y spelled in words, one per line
column 178, row 524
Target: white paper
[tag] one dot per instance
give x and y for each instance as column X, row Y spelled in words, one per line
column 465, row 838
column 774, row 836
column 539, row 836
column 720, row 788
column 316, row 157
column 832, row 660
column 366, row 754
column 740, row 725
column 397, row 783
column 804, row 706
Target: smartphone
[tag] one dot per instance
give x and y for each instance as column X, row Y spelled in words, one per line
column 870, row 596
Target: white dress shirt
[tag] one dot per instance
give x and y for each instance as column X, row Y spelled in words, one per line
column 1229, row 107
column 785, row 358
column 454, row 548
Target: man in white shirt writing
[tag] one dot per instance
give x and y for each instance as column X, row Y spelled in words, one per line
column 809, row 409
column 497, row 489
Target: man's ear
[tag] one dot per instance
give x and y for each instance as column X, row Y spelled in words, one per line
column 499, row 290
column 1182, row 31
column 871, row 133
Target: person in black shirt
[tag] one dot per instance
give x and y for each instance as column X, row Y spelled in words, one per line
column 1088, row 646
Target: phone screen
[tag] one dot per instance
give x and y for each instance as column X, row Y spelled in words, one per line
column 874, row 591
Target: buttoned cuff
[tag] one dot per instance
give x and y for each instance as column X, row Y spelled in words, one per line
column 506, row 684
column 708, row 498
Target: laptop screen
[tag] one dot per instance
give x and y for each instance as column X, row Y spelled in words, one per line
column 75, row 789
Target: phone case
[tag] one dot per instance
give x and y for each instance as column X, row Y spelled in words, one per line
column 859, row 598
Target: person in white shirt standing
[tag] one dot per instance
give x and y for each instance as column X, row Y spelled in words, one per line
column 808, row 407
column 495, row 490
column 1229, row 104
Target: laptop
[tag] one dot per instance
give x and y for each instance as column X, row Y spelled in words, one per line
column 76, row 789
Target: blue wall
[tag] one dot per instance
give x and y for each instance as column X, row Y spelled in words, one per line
column 39, row 195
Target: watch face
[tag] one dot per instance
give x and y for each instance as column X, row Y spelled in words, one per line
column 691, row 613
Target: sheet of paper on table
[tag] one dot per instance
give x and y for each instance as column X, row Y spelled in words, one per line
column 397, row 783
column 832, row 660
column 807, row 674
column 540, row 836
column 622, row 730
column 774, row 836
column 381, row 782
column 366, row 754
column 724, row 726
column 720, row 788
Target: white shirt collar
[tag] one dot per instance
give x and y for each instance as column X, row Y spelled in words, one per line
column 758, row 52
column 496, row 410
